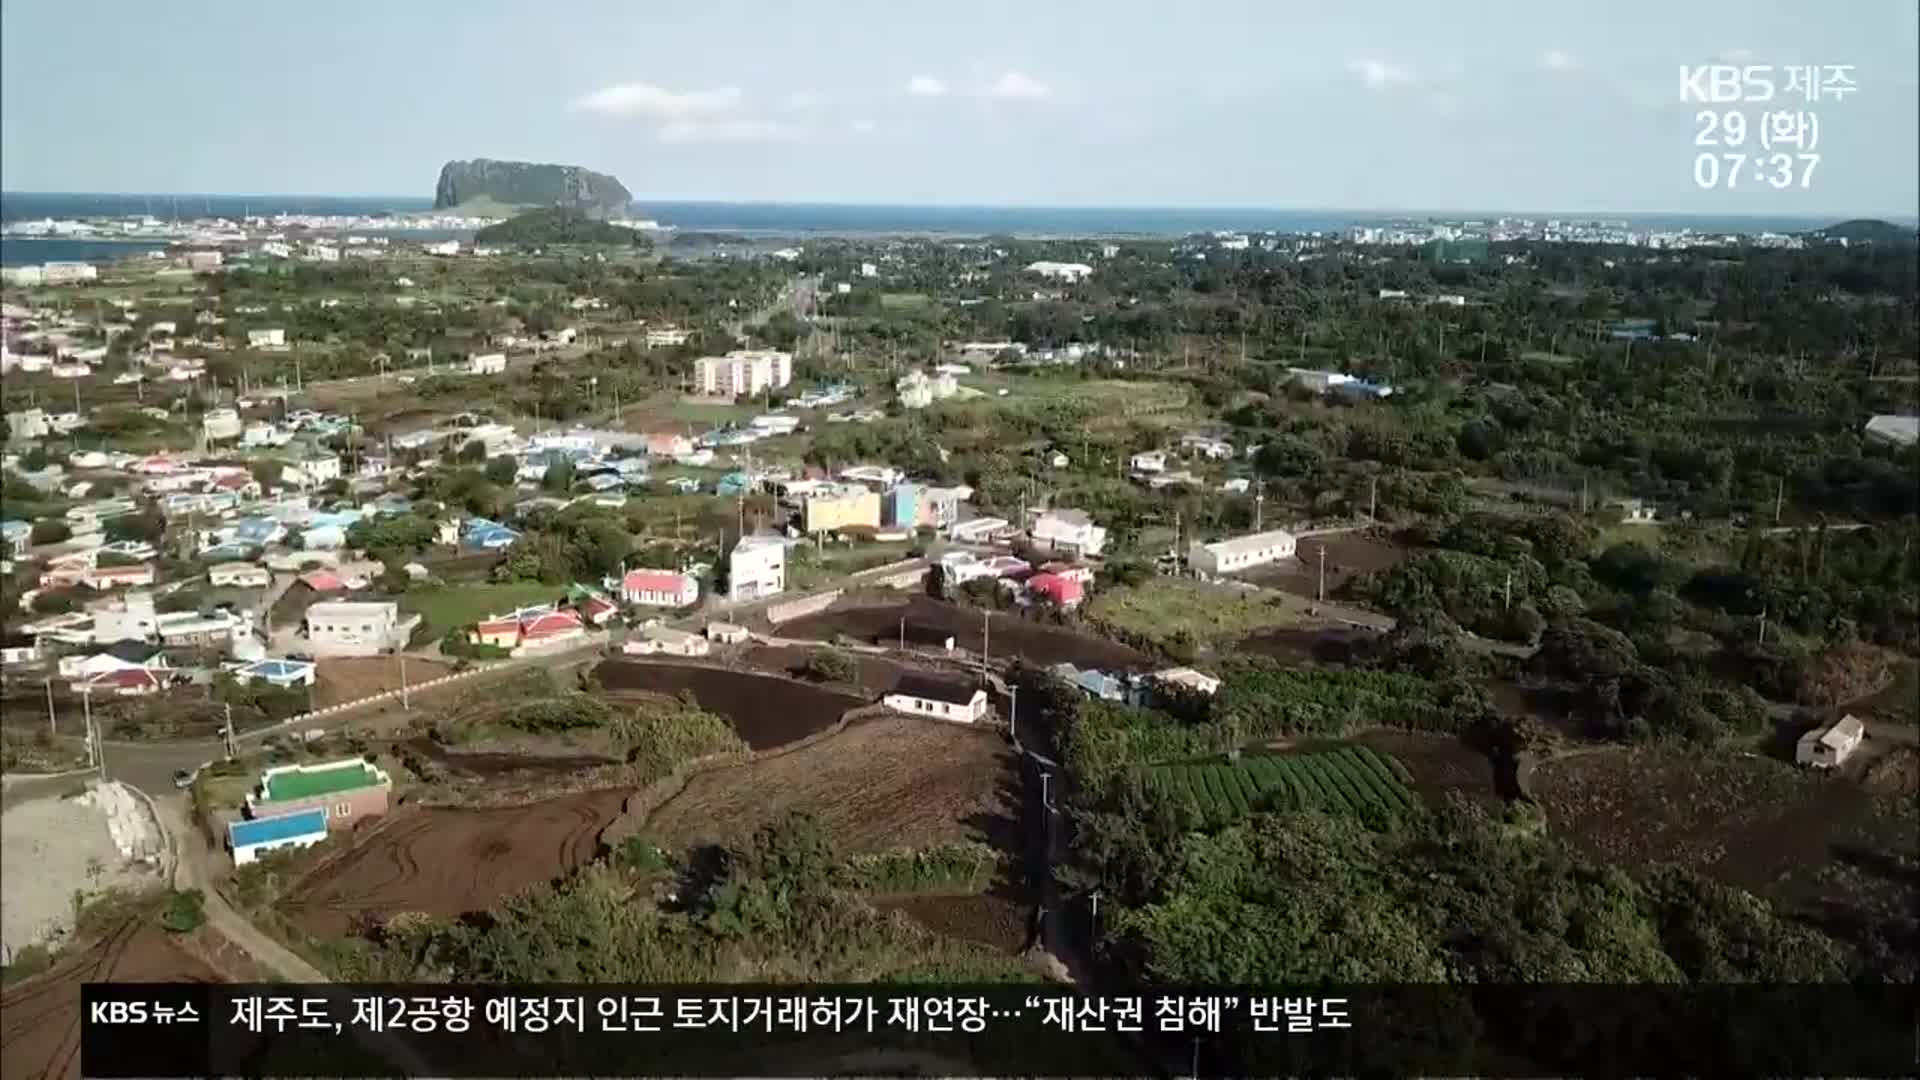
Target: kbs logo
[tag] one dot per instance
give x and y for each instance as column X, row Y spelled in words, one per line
column 1722, row 83
column 119, row 1012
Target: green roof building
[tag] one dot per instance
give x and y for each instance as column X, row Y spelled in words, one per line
column 344, row 791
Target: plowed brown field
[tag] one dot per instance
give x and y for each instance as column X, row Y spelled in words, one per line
column 450, row 861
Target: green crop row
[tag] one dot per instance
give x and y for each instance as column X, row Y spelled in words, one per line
column 1351, row 779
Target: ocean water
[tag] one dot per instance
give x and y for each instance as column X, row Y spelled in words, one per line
column 801, row 219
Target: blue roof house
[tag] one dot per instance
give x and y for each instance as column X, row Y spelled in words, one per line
column 252, row 839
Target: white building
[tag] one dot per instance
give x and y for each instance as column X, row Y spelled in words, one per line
column 69, row 273
column 1153, row 461
column 917, row 390
column 757, row 567
column 239, row 575
column 357, row 628
column 942, row 699
column 28, row 424
column 313, row 471
column 743, row 372
column 1828, row 747
column 667, row 337
column 1068, row 532
column 1069, row 272
column 1241, row 552
column 486, row 363
column 774, row 424
column 665, row 640
column 267, row 339
column 221, row 424
column 1894, row 430
column 442, row 248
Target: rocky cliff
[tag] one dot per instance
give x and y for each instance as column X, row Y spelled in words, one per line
column 524, row 183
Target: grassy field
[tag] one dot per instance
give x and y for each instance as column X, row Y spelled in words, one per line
column 1208, row 614
column 896, row 300
column 453, row 606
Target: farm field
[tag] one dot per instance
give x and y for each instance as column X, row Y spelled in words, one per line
column 990, row 918
column 1799, row 839
column 40, row 1016
column 1010, row 635
column 765, row 710
column 349, row 678
column 447, row 862
column 1349, row 555
column 1349, row 779
column 1204, row 615
column 1439, row 767
column 877, row 675
column 458, row 605
column 882, row 783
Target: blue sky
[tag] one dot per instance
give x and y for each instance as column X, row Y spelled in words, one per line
column 1362, row 104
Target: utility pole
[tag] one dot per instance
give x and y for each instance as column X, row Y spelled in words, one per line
column 1322, row 592
column 903, row 633
column 1509, row 591
column 1259, row 503
column 1779, row 495
column 1096, row 913
column 1583, row 494
column 229, row 730
column 986, row 636
column 1373, row 498
column 1044, row 800
column 1013, row 715
column 1763, row 626
column 51, row 729
column 404, row 705
column 99, row 744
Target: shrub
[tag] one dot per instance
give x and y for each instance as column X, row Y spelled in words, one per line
column 185, row 911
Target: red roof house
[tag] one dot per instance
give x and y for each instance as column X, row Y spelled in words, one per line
column 1060, row 590
column 659, row 588
column 127, row 682
column 323, row 581
column 551, row 625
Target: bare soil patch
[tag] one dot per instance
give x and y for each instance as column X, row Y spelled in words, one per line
column 1804, row 840
column 1319, row 645
column 450, row 861
column 1441, row 765
column 1349, row 555
column 767, row 711
column 40, row 1017
column 340, row 680
column 1010, row 635
column 1000, row 922
column 883, row 783
column 876, row 675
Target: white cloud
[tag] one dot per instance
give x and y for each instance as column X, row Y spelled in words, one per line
column 1378, row 74
column 642, row 99
column 1018, row 86
column 802, row 100
column 1736, row 56
column 729, row 130
column 926, row 86
column 862, row 127
column 1559, row 60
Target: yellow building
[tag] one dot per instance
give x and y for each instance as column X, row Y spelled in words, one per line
column 827, row 512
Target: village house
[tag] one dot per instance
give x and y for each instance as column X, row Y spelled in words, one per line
column 344, row 791
column 1056, row 589
column 655, row 637
column 943, row 699
column 659, row 588
column 721, row 633
column 250, row 839
column 1240, row 552
column 1068, row 532
column 357, row 628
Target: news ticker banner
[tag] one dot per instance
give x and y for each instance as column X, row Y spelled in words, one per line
column 171, row 1030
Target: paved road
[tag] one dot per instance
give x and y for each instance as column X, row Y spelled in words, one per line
column 194, row 869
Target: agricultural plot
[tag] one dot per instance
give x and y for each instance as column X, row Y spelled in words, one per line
column 1350, row 780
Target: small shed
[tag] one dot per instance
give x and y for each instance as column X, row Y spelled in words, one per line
column 1828, row 747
